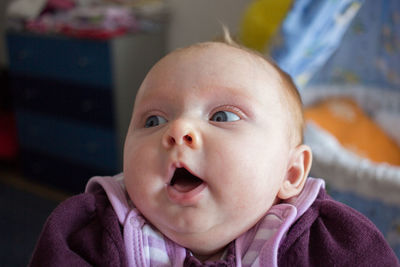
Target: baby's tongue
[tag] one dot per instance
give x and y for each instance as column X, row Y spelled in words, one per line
column 183, row 181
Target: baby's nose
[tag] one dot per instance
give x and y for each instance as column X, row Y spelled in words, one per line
column 181, row 133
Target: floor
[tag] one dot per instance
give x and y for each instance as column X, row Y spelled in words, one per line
column 24, row 207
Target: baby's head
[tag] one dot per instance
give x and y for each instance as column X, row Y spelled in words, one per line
column 214, row 142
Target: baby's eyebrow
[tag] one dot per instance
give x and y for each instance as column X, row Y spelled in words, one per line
column 233, row 93
column 148, row 101
column 207, row 91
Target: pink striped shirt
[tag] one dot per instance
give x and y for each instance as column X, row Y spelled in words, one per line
column 146, row 246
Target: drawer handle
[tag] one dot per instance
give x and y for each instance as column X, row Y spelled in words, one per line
column 92, row 147
column 83, row 62
column 33, row 130
column 86, row 106
column 29, row 94
column 23, row 54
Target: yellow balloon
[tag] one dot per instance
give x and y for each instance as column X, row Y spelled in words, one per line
column 261, row 22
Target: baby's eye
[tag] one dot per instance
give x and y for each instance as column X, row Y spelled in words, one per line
column 223, row 116
column 154, row 120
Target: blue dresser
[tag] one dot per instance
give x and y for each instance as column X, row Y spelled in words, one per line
column 73, row 100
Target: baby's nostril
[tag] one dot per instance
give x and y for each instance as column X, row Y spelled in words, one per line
column 171, row 140
column 188, row 138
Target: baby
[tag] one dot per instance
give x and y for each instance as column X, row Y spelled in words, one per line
column 215, row 174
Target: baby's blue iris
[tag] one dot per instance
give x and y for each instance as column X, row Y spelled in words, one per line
column 224, row 116
column 154, row 120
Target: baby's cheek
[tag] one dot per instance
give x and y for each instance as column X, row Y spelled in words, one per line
column 136, row 156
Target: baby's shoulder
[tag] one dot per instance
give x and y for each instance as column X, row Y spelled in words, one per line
column 75, row 230
column 88, row 212
column 331, row 233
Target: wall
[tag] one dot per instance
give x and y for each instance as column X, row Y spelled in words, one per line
column 200, row 20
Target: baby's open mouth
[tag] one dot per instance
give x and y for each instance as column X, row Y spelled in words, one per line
column 183, row 181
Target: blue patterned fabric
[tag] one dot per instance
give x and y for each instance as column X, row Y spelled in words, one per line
column 312, row 31
column 369, row 53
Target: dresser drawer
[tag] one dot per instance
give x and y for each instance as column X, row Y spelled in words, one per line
column 64, row 100
column 68, row 175
column 83, row 61
column 92, row 146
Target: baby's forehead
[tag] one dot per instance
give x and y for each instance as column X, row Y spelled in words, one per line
column 216, row 58
column 213, row 59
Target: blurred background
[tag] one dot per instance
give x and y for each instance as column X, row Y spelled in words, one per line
column 69, row 71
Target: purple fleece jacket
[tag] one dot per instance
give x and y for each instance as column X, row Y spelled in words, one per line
column 84, row 231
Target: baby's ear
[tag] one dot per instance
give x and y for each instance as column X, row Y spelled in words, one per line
column 296, row 173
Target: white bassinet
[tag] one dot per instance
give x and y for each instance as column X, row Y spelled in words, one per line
column 342, row 168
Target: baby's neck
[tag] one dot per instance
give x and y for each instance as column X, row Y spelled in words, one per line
column 213, row 257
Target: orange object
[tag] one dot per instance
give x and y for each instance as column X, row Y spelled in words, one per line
column 345, row 120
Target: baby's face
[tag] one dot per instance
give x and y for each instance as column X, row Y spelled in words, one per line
column 207, row 148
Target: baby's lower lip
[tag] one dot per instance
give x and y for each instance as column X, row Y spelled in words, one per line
column 185, row 198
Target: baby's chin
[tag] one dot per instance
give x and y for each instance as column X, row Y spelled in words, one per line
column 203, row 233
